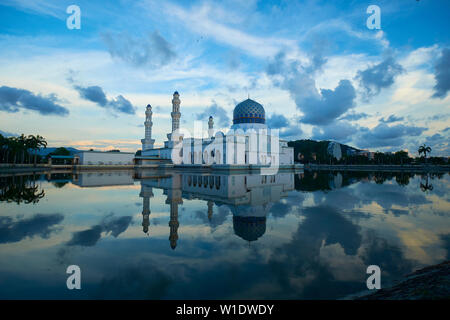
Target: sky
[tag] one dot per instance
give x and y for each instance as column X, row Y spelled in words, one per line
column 315, row 66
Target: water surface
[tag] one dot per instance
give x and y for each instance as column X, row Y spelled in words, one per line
column 168, row 235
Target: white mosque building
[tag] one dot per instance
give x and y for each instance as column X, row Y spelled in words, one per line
column 249, row 142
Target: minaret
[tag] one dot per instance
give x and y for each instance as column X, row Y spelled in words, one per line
column 211, row 127
column 147, row 142
column 175, row 111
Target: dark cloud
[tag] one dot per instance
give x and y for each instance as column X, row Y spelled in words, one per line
column 384, row 136
column 341, row 131
column 90, row 237
column 435, row 138
column 121, row 104
column 319, row 108
column 86, row 238
column 353, row 116
column 330, row 105
column 378, row 77
column 41, row 225
column 97, row 95
column 117, row 226
column 442, row 75
column 218, row 113
column 153, row 50
column 93, row 94
column 277, row 121
column 391, row 118
column 13, row 99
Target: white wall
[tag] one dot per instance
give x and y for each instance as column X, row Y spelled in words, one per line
column 105, row 158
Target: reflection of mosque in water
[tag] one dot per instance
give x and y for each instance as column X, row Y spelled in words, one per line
column 249, row 198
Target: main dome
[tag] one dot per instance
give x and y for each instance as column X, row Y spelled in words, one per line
column 249, row 111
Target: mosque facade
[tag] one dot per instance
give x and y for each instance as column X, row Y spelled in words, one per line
column 249, row 141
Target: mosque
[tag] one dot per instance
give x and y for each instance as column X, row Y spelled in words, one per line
column 249, row 142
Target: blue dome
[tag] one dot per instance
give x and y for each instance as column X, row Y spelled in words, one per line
column 249, row 111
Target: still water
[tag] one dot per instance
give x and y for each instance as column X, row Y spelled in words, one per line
column 169, row 235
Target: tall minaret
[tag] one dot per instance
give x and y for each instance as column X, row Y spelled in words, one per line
column 175, row 111
column 211, row 127
column 147, row 142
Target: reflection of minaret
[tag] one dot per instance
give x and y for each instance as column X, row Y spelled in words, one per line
column 173, row 224
column 146, row 193
column 174, row 199
column 210, row 209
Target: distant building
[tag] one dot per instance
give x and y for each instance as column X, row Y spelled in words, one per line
column 103, row 158
column 366, row 153
column 334, row 149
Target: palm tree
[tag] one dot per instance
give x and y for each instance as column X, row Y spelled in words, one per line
column 3, row 147
column 36, row 142
column 424, row 149
column 22, row 142
column 15, row 147
column 41, row 143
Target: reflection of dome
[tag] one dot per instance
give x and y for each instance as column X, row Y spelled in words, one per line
column 249, row 111
column 245, row 210
column 249, row 228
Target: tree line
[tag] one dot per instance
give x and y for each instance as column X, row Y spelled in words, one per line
column 310, row 151
column 21, row 149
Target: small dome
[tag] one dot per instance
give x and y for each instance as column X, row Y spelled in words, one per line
column 249, row 111
column 176, row 92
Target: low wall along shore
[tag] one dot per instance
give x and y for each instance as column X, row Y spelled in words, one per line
column 395, row 168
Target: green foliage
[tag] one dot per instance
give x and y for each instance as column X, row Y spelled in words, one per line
column 310, row 151
column 60, row 152
column 14, row 149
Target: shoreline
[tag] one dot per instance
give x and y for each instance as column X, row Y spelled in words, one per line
column 423, row 168
column 429, row 283
column 378, row 167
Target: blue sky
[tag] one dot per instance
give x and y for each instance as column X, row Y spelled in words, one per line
column 315, row 66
